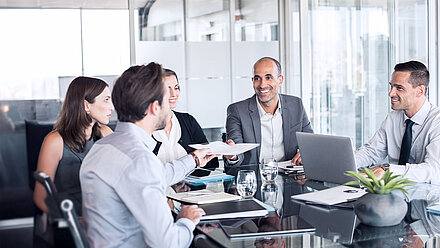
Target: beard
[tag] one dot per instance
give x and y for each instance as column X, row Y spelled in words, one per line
column 163, row 120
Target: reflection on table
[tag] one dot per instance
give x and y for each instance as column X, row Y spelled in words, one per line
column 334, row 226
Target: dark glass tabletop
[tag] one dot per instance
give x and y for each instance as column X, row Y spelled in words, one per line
column 334, row 226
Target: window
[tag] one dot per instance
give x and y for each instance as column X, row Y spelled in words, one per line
column 354, row 47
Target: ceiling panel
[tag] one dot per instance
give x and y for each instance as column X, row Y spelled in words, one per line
column 70, row 4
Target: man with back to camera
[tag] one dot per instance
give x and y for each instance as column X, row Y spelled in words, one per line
column 124, row 183
column 409, row 135
column 268, row 118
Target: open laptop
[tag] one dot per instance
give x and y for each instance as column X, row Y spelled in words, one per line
column 326, row 157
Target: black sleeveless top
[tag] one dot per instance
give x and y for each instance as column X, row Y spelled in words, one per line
column 67, row 174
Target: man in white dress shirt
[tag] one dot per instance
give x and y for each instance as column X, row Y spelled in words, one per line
column 268, row 118
column 123, row 183
column 409, row 135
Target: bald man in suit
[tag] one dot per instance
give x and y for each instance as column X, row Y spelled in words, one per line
column 268, row 118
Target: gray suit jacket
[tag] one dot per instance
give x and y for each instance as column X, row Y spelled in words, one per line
column 243, row 126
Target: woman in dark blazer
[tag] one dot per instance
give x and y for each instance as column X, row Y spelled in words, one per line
column 181, row 129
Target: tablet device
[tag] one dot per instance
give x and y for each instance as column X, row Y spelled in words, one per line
column 200, row 172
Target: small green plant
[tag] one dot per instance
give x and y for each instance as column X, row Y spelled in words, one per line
column 384, row 185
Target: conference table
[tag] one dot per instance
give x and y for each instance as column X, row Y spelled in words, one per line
column 334, row 226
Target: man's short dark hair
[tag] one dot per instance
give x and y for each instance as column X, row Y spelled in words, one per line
column 136, row 89
column 419, row 72
column 274, row 60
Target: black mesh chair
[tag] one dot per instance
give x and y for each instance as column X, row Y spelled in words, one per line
column 61, row 207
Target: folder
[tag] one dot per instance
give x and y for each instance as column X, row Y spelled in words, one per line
column 195, row 181
column 233, row 209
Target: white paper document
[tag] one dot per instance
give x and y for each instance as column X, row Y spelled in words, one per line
column 287, row 166
column 332, row 196
column 221, row 148
column 203, row 196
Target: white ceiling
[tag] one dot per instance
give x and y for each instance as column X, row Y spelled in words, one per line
column 71, row 4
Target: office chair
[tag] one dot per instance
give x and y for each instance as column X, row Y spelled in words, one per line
column 35, row 134
column 75, row 228
column 52, row 193
column 61, row 207
column 201, row 241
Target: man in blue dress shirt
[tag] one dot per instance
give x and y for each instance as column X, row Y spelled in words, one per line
column 123, row 183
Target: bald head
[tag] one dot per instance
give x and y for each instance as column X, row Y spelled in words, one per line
column 275, row 62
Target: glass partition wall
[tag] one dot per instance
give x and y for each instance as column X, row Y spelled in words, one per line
column 350, row 50
column 212, row 46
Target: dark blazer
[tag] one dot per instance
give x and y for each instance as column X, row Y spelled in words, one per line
column 192, row 133
column 243, row 126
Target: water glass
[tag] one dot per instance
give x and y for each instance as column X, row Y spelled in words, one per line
column 246, row 183
column 269, row 194
column 268, row 169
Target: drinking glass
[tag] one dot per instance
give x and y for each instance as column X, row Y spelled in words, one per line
column 269, row 194
column 268, row 169
column 246, row 183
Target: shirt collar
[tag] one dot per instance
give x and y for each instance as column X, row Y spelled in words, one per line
column 261, row 110
column 139, row 133
column 421, row 115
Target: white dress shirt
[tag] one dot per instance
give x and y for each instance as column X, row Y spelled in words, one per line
column 272, row 138
column 123, row 189
column 170, row 149
column 424, row 160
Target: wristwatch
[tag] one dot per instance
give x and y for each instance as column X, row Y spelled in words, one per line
column 385, row 166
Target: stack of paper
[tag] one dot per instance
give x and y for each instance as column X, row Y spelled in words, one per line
column 332, row 196
column 203, row 197
column 286, row 166
column 221, row 148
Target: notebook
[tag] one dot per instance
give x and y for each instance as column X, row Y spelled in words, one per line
column 233, row 209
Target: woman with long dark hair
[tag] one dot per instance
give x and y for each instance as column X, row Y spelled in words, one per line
column 86, row 108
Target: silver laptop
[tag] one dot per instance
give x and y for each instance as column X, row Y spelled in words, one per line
column 326, row 157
